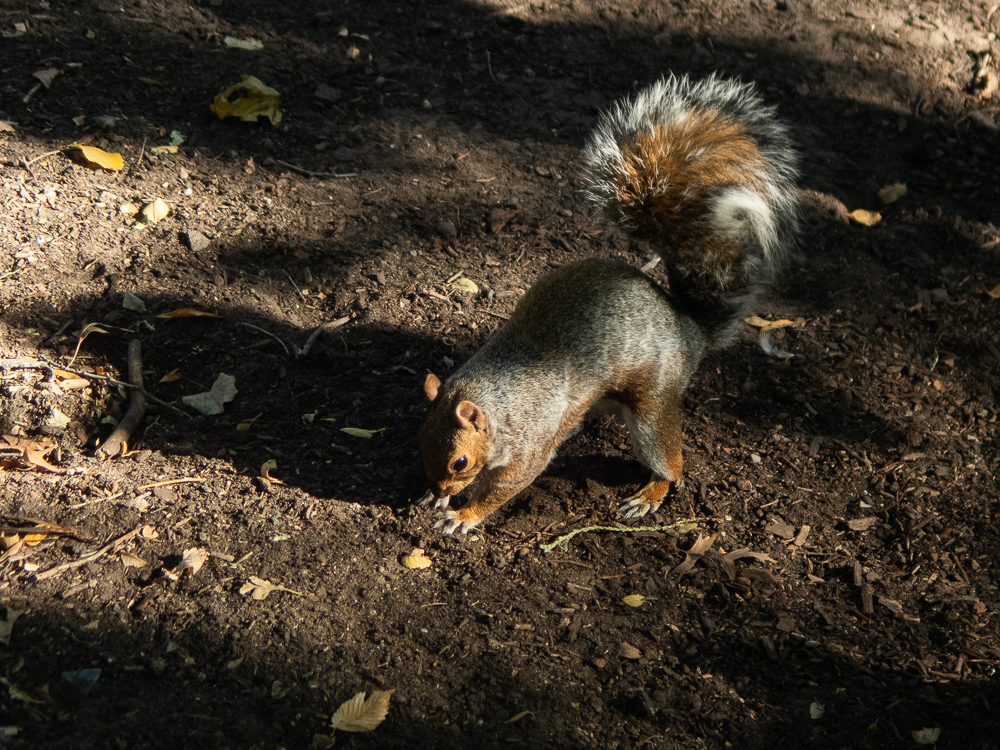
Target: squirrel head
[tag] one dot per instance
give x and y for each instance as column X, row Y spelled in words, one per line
column 454, row 441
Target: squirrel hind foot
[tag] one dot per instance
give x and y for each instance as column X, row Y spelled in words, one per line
column 647, row 500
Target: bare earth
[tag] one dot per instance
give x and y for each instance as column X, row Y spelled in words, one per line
column 420, row 141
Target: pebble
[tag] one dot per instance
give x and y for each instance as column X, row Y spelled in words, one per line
column 196, row 240
column 446, row 229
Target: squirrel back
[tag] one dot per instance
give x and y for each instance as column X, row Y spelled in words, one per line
column 705, row 173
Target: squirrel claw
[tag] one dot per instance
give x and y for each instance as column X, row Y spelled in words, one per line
column 439, row 502
column 635, row 507
column 449, row 522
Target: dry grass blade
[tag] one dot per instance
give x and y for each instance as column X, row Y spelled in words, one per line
column 360, row 715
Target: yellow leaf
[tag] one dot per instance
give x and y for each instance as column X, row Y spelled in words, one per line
column 465, row 286
column 155, row 210
column 163, row 150
column 518, row 717
column 96, row 158
column 767, row 325
column 188, row 312
column 634, row 600
column 259, row 100
column 360, row 715
column 865, row 218
column 358, row 432
column 892, row 193
column 416, row 559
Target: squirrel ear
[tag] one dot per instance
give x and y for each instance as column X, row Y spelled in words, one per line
column 432, row 386
column 468, row 415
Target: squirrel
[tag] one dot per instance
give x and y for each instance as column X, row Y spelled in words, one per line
column 704, row 173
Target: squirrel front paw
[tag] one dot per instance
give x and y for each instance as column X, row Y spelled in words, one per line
column 451, row 521
column 439, row 502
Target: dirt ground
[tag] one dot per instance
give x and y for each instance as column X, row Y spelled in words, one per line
column 418, row 141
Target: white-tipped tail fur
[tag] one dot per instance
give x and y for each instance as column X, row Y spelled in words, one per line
column 704, row 172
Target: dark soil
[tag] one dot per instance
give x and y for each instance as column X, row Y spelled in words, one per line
column 864, row 468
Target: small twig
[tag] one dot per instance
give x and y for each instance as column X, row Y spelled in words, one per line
column 112, row 546
column 42, row 156
column 315, row 335
column 685, row 524
column 23, row 363
column 268, row 333
column 34, row 90
column 489, row 66
column 309, row 173
column 298, row 291
column 497, row 315
column 114, row 381
column 136, row 409
column 142, row 151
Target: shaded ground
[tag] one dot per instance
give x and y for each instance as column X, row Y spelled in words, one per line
column 864, row 467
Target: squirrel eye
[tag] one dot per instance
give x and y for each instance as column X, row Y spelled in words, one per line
column 460, row 464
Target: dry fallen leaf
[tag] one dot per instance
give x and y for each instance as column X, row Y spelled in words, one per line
column 171, row 376
column 258, row 101
column 465, row 286
column 163, row 149
column 634, row 600
column 697, row 551
column 994, row 293
column 926, row 736
column 188, row 312
column 258, row 588
column 767, row 325
column 630, row 652
column 95, row 158
column 416, row 559
column 26, row 454
column 518, row 717
column 358, row 432
column 211, row 402
column 360, row 715
column 865, row 218
column 191, row 561
column 46, row 76
column 154, row 211
column 891, row 193
column 131, row 561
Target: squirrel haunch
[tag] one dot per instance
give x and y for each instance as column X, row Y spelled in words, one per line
column 705, row 174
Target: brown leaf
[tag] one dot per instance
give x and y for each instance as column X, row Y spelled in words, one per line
column 188, row 312
column 630, row 652
column 697, row 551
column 191, row 561
column 27, row 454
column 258, row 588
column 360, row 715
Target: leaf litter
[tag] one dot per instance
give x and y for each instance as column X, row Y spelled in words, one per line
column 361, row 715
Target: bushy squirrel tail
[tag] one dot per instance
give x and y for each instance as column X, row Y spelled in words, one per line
column 706, row 174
